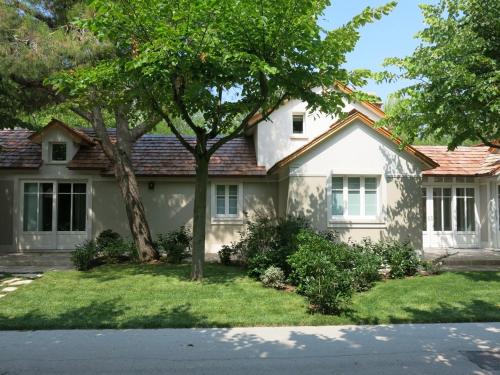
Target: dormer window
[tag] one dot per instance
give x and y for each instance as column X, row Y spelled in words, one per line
column 58, row 152
column 298, row 123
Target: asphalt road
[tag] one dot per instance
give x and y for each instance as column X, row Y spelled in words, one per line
column 399, row 349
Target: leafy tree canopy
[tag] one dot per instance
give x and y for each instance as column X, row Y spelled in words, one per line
column 456, row 94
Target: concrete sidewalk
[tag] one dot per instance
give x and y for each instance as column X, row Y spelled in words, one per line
column 410, row 349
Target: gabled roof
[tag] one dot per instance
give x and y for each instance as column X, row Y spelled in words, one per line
column 341, row 124
column 345, row 89
column 463, row 161
column 77, row 135
column 163, row 156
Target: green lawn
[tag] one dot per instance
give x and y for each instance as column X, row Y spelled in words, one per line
column 126, row 296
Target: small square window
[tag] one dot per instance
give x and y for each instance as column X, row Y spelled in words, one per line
column 58, row 152
column 298, row 124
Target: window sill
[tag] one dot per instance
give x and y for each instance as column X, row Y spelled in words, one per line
column 302, row 137
column 227, row 220
column 357, row 224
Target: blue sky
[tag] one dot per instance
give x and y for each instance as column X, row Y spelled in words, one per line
column 392, row 36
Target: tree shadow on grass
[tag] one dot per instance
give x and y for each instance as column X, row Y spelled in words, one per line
column 490, row 276
column 107, row 314
column 471, row 311
column 214, row 273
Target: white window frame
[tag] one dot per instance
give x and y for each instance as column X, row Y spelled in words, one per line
column 55, row 207
column 298, row 135
column 362, row 217
column 52, row 161
column 227, row 218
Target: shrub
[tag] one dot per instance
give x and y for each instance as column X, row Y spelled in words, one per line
column 366, row 268
column 225, row 254
column 400, row 257
column 323, row 272
column 84, row 256
column 177, row 244
column 107, row 237
column 273, row 277
column 268, row 242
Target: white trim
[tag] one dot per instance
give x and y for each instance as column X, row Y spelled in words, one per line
column 357, row 225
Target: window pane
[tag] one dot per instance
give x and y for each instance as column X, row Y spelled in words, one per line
column 437, row 210
column 59, row 151
column 460, row 192
column 233, row 205
column 221, row 205
column 45, row 213
column 471, row 222
column 337, row 183
column 79, row 212
column 423, row 209
column 31, row 187
column 447, row 213
column 298, row 124
column 233, row 190
column 337, row 203
column 221, row 190
column 460, row 214
column 64, row 212
column 46, row 188
column 370, row 203
column 353, row 204
column 371, row 183
column 64, row 188
column 470, row 192
column 30, row 211
column 353, row 183
column 79, row 188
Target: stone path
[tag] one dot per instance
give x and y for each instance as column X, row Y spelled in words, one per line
column 13, row 283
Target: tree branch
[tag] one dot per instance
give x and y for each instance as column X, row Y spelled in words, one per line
column 177, row 88
column 486, row 142
column 237, row 132
column 101, row 132
column 146, row 126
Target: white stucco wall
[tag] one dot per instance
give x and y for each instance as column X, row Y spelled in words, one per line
column 356, row 149
column 274, row 139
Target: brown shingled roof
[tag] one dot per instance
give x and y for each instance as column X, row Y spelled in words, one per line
column 17, row 151
column 159, row 155
column 463, row 161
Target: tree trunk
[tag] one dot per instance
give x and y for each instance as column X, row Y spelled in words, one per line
column 136, row 214
column 199, row 217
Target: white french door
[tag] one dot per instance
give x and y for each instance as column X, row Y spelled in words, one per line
column 451, row 218
column 54, row 214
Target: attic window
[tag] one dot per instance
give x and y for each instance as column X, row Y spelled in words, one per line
column 58, row 151
column 298, row 123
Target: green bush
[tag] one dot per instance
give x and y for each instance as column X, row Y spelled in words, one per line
column 84, row 256
column 323, row 272
column 400, row 257
column 273, row 277
column 107, row 237
column 268, row 242
column 366, row 268
column 225, row 254
column 176, row 244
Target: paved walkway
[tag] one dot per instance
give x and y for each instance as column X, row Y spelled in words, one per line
column 400, row 349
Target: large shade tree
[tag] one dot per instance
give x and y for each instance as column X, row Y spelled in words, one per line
column 455, row 70
column 218, row 67
column 37, row 40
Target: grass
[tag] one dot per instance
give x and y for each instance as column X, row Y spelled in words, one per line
column 147, row 296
